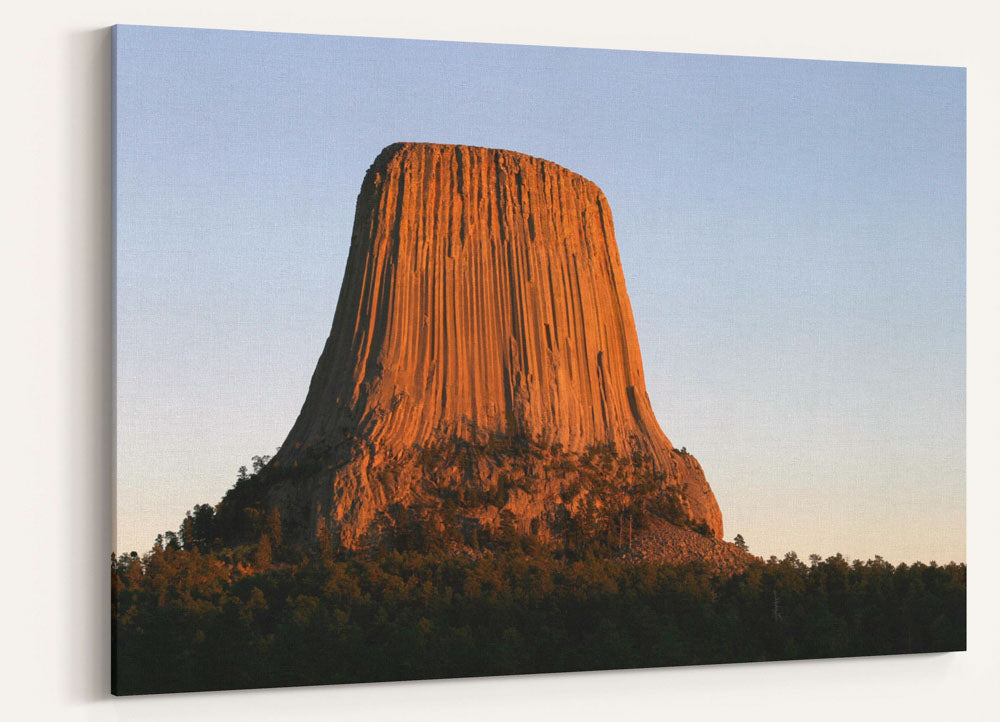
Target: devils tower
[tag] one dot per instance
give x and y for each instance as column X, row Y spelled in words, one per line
column 483, row 365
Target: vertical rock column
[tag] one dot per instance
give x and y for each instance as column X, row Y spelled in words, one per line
column 484, row 294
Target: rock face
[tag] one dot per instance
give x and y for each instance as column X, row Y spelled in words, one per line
column 483, row 302
column 668, row 544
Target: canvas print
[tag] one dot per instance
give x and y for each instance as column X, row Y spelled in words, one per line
column 441, row 359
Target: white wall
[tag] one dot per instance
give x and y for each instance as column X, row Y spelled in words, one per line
column 55, row 380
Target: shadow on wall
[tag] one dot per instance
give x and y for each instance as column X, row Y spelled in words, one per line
column 89, row 491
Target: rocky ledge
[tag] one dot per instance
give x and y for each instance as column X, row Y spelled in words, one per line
column 669, row 544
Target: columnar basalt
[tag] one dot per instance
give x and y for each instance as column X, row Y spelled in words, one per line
column 483, row 299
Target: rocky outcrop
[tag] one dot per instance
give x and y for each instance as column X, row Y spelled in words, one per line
column 667, row 543
column 483, row 303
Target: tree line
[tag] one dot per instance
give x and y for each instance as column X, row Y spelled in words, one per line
column 232, row 600
column 186, row 619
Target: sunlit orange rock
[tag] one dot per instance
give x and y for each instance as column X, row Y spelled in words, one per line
column 483, row 297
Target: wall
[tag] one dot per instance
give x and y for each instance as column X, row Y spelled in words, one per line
column 56, row 381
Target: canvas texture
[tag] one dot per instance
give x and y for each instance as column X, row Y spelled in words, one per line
column 442, row 359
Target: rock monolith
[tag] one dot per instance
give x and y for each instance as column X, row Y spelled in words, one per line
column 483, row 358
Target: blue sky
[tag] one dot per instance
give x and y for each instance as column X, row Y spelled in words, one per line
column 792, row 234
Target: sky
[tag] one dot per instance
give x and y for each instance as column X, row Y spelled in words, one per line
column 792, row 234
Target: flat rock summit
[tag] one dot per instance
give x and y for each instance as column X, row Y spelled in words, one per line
column 483, row 367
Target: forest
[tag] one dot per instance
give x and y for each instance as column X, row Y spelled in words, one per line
column 190, row 615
